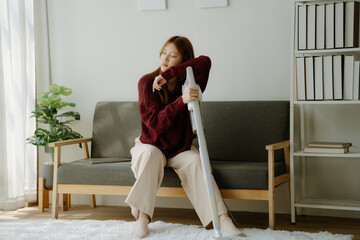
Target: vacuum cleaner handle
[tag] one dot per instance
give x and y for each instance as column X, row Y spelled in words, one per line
column 197, row 126
column 190, row 83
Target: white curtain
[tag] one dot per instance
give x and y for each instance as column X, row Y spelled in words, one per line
column 18, row 160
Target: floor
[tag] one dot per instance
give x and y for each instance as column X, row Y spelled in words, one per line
column 188, row 216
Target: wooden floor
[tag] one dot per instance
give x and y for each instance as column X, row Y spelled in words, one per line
column 188, row 216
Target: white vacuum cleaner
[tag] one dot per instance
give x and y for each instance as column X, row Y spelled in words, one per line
column 197, row 127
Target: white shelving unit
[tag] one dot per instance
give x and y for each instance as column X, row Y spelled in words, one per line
column 297, row 194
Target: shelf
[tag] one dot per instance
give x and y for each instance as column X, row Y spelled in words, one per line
column 302, row 53
column 322, row 1
column 299, row 124
column 329, row 204
column 342, row 155
column 329, row 102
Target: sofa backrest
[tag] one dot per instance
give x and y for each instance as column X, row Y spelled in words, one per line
column 115, row 127
column 235, row 131
column 240, row 130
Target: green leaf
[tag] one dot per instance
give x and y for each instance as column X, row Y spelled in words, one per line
column 64, row 104
column 54, row 88
column 65, row 91
column 43, row 95
column 41, row 121
column 67, row 122
column 44, row 101
column 54, row 100
column 70, row 114
column 53, row 95
column 58, row 105
column 40, row 132
column 31, row 140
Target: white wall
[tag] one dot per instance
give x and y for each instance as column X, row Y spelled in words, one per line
column 100, row 49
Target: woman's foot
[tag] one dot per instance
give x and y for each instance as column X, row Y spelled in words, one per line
column 141, row 229
column 227, row 225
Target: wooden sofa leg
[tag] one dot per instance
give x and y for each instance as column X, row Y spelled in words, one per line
column 65, row 202
column 55, row 203
column 43, row 197
column 92, row 201
column 271, row 209
column 41, row 194
column 55, row 196
column 69, row 200
column 271, row 190
column 46, row 198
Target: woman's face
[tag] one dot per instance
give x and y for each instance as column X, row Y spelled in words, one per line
column 169, row 57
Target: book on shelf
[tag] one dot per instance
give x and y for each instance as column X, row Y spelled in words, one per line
column 300, row 78
column 338, row 77
column 320, row 26
column 348, row 77
column 329, row 25
column 356, row 94
column 311, row 26
column 309, row 78
column 339, row 25
column 319, row 84
column 309, row 149
column 352, row 24
column 302, row 27
column 330, row 144
column 328, row 78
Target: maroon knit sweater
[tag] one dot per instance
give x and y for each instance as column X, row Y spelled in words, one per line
column 168, row 127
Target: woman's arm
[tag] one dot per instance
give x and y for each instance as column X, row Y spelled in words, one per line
column 201, row 68
column 152, row 111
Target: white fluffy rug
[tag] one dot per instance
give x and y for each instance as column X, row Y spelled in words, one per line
column 50, row 229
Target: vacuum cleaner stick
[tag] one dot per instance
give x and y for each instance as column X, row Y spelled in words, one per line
column 197, row 126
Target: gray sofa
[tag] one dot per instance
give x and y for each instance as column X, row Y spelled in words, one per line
column 241, row 137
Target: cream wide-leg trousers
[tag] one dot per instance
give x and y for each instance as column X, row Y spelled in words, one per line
column 148, row 164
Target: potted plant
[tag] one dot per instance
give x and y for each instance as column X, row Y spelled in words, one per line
column 47, row 111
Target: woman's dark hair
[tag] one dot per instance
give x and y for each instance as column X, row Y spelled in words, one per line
column 185, row 48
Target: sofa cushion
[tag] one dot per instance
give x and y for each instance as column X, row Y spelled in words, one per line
column 116, row 173
column 244, row 175
column 228, row 175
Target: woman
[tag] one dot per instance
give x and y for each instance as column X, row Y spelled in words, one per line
column 166, row 137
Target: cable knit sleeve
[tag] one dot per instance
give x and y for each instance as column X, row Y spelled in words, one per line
column 153, row 114
column 201, row 68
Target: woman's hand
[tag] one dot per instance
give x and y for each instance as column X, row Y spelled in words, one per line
column 158, row 82
column 190, row 95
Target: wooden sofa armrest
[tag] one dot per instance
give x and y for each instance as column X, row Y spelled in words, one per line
column 57, row 148
column 275, row 181
column 278, row 145
column 57, row 161
column 69, row 142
